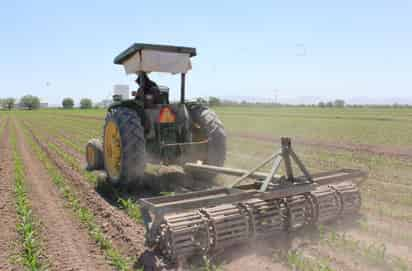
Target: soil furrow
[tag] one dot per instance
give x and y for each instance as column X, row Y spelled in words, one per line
column 66, row 244
column 8, row 216
column 125, row 234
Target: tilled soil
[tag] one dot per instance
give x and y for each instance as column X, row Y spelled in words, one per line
column 8, row 215
column 125, row 234
column 257, row 256
column 66, row 243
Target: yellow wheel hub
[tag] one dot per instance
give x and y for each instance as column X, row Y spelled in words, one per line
column 90, row 156
column 112, row 149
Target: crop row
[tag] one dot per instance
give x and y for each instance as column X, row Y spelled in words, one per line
column 127, row 204
column 30, row 255
column 85, row 216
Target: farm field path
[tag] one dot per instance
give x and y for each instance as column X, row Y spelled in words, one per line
column 8, row 216
column 66, row 243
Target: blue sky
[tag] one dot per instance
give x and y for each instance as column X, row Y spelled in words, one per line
column 55, row 49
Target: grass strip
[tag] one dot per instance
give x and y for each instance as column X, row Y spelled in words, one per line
column 30, row 254
column 85, row 215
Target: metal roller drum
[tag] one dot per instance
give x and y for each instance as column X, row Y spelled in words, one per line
column 266, row 216
column 228, row 225
column 299, row 211
column 327, row 204
column 350, row 197
column 184, row 234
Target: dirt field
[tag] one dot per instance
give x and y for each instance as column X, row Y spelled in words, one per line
column 82, row 224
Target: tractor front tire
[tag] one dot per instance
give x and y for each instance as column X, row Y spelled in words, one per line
column 124, row 146
column 94, row 154
column 207, row 126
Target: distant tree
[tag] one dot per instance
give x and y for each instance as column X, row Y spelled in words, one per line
column 30, row 102
column 86, row 103
column 68, row 103
column 9, row 103
column 339, row 103
column 214, row 101
column 321, row 104
column 329, row 104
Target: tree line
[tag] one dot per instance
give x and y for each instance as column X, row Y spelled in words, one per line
column 85, row 103
column 337, row 103
column 31, row 102
column 28, row 101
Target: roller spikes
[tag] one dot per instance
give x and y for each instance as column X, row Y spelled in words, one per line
column 210, row 229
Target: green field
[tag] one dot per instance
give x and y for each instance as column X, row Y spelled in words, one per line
column 326, row 138
column 380, row 126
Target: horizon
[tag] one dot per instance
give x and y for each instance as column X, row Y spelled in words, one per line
column 284, row 101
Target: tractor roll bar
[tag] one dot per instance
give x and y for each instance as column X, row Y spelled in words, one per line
column 182, row 87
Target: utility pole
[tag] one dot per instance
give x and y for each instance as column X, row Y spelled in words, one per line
column 276, row 92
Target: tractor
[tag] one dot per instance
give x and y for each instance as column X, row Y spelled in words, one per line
column 150, row 128
column 256, row 205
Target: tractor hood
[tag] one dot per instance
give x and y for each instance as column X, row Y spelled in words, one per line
column 157, row 58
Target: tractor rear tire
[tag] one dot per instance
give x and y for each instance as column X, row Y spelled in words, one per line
column 132, row 146
column 207, row 126
column 94, row 154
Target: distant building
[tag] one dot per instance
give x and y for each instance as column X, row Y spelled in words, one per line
column 44, row 105
column 122, row 90
column 20, row 105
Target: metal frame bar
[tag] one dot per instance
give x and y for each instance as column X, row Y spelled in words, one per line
column 182, row 87
column 285, row 154
column 275, row 167
column 249, row 173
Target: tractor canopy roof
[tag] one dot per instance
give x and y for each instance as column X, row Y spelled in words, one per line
column 159, row 58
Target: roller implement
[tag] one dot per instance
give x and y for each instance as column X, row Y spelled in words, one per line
column 203, row 222
column 150, row 128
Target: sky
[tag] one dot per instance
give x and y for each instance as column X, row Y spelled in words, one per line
column 331, row 49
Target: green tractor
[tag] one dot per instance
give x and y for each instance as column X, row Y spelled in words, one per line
column 150, row 129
